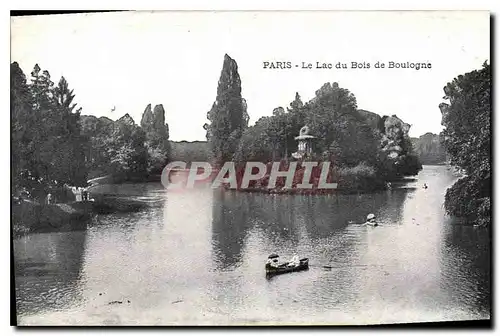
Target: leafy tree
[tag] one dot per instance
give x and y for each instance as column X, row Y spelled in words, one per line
column 297, row 104
column 255, row 144
column 97, row 132
column 147, row 123
column 467, row 133
column 157, row 133
column 53, row 145
column 189, row 151
column 430, row 148
column 69, row 158
column 364, row 148
column 21, row 126
column 161, row 131
column 42, row 143
column 228, row 116
column 333, row 118
column 49, row 151
column 127, row 151
column 276, row 131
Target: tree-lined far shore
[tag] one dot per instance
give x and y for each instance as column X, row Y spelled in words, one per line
column 55, row 147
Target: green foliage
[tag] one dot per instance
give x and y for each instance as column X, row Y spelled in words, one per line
column 196, row 151
column 125, row 150
column 273, row 138
column 157, row 133
column 53, row 145
column 118, row 148
column 361, row 177
column 256, row 144
column 21, row 126
column 97, row 131
column 48, row 150
column 469, row 198
column 407, row 165
column 430, row 149
column 128, row 150
column 228, row 116
column 344, row 135
column 467, row 135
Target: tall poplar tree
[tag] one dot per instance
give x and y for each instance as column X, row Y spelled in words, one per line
column 228, row 117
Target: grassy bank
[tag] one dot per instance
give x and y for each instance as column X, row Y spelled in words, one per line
column 29, row 217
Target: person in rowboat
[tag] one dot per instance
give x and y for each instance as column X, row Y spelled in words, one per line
column 370, row 220
column 273, row 261
column 294, row 261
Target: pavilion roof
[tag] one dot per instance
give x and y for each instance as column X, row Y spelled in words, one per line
column 305, row 136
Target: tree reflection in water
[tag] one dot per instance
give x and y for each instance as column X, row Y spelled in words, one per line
column 48, row 271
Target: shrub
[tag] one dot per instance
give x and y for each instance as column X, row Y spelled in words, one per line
column 361, row 177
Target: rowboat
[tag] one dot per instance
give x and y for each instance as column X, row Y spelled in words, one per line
column 286, row 268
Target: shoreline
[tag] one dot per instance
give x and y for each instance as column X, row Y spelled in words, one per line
column 29, row 217
column 295, row 191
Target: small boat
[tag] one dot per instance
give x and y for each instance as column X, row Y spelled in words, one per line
column 287, row 268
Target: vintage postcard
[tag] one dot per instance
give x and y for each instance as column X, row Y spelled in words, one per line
column 250, row 168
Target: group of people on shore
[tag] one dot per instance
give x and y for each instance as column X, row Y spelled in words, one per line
column 81, row 194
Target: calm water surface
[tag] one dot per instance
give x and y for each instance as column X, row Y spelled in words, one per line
column 198, row 258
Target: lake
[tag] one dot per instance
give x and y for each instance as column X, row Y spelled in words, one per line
column 196, row 257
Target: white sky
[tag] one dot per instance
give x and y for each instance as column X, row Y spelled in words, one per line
column 129, row 60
